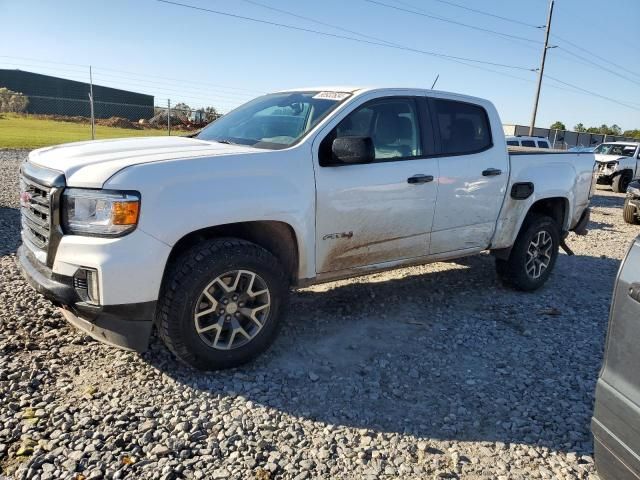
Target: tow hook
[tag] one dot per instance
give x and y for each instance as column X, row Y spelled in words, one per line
column 566, row 247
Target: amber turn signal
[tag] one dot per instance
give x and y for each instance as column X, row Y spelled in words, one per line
column 125, row 213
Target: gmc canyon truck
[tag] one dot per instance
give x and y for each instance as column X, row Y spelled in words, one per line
column 618, row 164
column 206, row 236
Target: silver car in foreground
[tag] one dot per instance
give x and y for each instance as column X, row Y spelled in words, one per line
column 616, row 418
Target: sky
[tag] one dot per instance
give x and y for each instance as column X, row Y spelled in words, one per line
column 201, row 58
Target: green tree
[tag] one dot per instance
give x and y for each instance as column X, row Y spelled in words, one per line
column 11, row 101
column 632, row 133
column 615, row 130
column 558, row 126
column 580, row 128
column 211, row 114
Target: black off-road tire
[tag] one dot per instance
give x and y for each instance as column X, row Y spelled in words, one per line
column 621, row 182
column 187, row 277
column 630, row 214
column 512, row 271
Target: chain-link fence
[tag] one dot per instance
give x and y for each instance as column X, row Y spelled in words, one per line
column 35, row 121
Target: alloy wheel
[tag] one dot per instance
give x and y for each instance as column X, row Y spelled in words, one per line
column 232, row 309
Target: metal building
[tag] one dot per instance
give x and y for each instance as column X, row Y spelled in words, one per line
column 60, row 96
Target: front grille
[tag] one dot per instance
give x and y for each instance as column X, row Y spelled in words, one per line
column 35, row 205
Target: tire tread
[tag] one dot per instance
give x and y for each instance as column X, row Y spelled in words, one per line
column 187, row 264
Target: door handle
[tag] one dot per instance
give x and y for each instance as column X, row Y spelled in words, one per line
column 420, row 178
column 491, row 172
column 634, row 291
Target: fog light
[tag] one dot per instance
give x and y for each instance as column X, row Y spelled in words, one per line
column 86, row 283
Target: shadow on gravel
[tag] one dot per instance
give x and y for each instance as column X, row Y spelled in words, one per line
column 9, row 230
column 612, row 200
column 450, row 355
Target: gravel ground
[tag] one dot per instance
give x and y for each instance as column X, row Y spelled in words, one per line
column 426, row 372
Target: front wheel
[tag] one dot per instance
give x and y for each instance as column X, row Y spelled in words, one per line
column 629, row 213
column 533, row 255
column 621, row 182
column 221, row 303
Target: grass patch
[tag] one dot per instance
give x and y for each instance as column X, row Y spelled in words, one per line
column 23, row 131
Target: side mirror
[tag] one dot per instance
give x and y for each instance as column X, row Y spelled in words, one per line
column 351, row 150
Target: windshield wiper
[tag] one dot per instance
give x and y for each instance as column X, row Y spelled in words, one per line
column 226, row 142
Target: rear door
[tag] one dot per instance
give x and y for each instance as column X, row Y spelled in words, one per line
column 473, row 176
column 382, row 211
column 616, row 419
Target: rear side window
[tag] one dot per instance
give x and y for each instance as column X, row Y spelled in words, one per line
column 543, row 144
column 513, row 143
column 464, row 127
column 528, row 143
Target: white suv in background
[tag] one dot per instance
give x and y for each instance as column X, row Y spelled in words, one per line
column 532, row 142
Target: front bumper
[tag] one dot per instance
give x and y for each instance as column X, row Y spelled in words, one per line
column 604, row 179
column 126, row 326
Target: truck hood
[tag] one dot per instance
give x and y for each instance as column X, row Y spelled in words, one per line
column 608, row 158
column 91, row 164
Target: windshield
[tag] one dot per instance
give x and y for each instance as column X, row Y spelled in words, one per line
column 273, row 121
column 616, row 149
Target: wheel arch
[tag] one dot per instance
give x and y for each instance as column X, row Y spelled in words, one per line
column 556, row 207
column 279, row 238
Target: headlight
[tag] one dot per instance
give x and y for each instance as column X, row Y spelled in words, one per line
column 633, row 191
column 108, row 213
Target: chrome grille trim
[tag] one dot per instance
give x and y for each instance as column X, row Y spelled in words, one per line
column 35, row 206
column 40, row 191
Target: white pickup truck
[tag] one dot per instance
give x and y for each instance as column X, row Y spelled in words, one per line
column 618, row 164
column 205, row 236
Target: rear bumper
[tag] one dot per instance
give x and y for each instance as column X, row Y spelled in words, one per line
column 126, row 326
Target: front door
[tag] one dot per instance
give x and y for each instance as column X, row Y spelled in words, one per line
column 616, row 417
column 473, row 177
column 382, row 211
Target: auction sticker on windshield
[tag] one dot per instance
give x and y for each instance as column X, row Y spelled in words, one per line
column 331, row 96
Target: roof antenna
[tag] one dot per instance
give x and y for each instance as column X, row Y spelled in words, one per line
column 435, row 81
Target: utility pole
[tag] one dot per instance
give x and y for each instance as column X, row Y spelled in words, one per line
column 541, row 71
column 93, row 116
column 169, row 116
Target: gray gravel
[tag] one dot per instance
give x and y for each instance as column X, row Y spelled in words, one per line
column 426, row 372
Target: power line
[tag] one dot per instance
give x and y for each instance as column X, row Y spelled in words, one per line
column 589, row 92
column 313, row 20
column 378, row 39
column 481, row 12
column 599, row 66
column 342, row 37
column 128, row 73
column 214, row 97
column 447, row 20
column 604, row 59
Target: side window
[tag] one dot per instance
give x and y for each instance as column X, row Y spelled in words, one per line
column 543, row 144
column 464, row 127
column 391, row 123
column 513, row 143
column 528, row 143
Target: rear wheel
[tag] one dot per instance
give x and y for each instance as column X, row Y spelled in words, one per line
column 630, row 214
column 621, row 182
column 221, row 304
column 533, row 255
